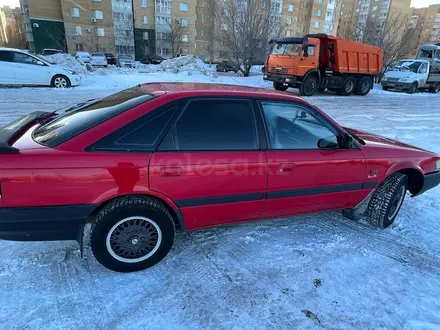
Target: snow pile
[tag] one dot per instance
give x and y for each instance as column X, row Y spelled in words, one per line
column 190, row 64
column 67, row 61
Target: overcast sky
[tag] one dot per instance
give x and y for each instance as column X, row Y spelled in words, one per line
column 414, row 3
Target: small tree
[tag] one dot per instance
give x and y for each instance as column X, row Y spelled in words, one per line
column 244, row 29
column 173, row 36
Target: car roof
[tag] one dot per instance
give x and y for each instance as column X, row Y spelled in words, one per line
column 14, row 49
column 206, row 89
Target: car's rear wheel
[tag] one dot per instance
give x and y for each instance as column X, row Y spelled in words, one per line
column 435, row 89
column 413, row 88
column 387, row 200
column 363, row 86
column 60, row 81
column 280, row 87
column 132, row 233
column 348, row 86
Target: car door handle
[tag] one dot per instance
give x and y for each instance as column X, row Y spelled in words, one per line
column 286, row 168
column 170, row 171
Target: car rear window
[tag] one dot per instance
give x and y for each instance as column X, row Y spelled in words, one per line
column 92, row 113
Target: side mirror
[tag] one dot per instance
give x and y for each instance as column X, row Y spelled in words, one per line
column 330, row 142
column 306, row 54
column 40, row 63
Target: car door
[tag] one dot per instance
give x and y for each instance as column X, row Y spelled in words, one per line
column 210, row 163
column 29, row 70
column 422, row 75
column 301, row 176
column 7, row 73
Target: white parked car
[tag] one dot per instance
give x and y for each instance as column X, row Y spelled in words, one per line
column 126, row 61
column 99, row 59
column 18, row 67
column 83, row 56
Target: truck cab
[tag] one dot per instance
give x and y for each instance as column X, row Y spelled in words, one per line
column 431, row 53
column 317, row 62
column 411, row 75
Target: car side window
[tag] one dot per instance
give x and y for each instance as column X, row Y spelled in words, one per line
column 294, row 127
column 5, row 56
column 142, row 134
column 211, row 125
column 423, row 68
column 23, row 58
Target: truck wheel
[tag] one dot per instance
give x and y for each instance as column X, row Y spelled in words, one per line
column 363, row 86
column 132, row 233
column 348, row 86
column 280, row 87
column 435, row 89
column 387, row 200
column 412, row 89
column 309, row 86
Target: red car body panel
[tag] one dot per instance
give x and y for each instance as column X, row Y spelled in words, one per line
column 205, row 188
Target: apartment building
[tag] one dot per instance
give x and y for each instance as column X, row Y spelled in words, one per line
column 324, row 16
column 347, row 19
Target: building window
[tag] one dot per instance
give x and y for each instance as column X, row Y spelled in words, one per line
column 184, row 38
column 316, row 25
column 289, row 20
column 144, row 20
column 287, row 33
column 145, row 35
column 374, row 8
column 144, row 3
column 102, row 48
column 203, row 3
column 290, row 8
column 183, row 22
column 184, row 6
column 77, row 30
column 97, row 14
column 99, row 32
column 320, row 1
column 74, row 12
column 96, row 0
column 318, row 12
column 163, row 20
column 373, row 15
column 203, row 18
column 163, row 6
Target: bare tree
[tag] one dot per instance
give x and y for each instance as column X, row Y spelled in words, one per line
column 176, row 36
column 244, row 29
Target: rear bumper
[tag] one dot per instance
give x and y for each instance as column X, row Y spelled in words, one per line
column 281, row 78
column 431, row 180
column 46, row 223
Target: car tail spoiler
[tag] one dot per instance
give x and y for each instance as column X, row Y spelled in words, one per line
column 13, row 130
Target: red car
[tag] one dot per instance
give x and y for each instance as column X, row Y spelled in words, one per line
column 140, row 164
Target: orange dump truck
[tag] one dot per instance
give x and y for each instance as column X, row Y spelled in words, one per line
column 319, row 61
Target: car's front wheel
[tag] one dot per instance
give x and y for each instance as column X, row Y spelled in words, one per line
column 132, row 233
column 413, row 88
column 387, row 200
column 60, row 81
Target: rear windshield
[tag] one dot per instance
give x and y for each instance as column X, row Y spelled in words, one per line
column 86, row 115
column 97, row 54
column 125, row 56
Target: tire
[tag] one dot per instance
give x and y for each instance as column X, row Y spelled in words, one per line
column 132, row 213
column 348, row 86
column 309, row 86
column 363, row 86
column 412, row 89
column 435, row 89
column 280, row 87
column 60, row 81
column 386, row 200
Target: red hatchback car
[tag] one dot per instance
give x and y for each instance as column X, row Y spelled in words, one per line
column 154, row 158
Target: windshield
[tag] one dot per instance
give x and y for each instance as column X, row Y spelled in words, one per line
column 88, row 114
column 287, row 49
column 125, row 57
column 98, row 54
column 406, row 66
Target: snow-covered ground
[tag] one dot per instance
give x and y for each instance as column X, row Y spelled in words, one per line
column 305, row 272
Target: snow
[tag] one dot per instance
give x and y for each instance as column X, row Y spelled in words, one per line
column 67, row 61
column 260, row 275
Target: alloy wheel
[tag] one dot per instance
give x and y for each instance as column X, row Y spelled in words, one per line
column 60, row 82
